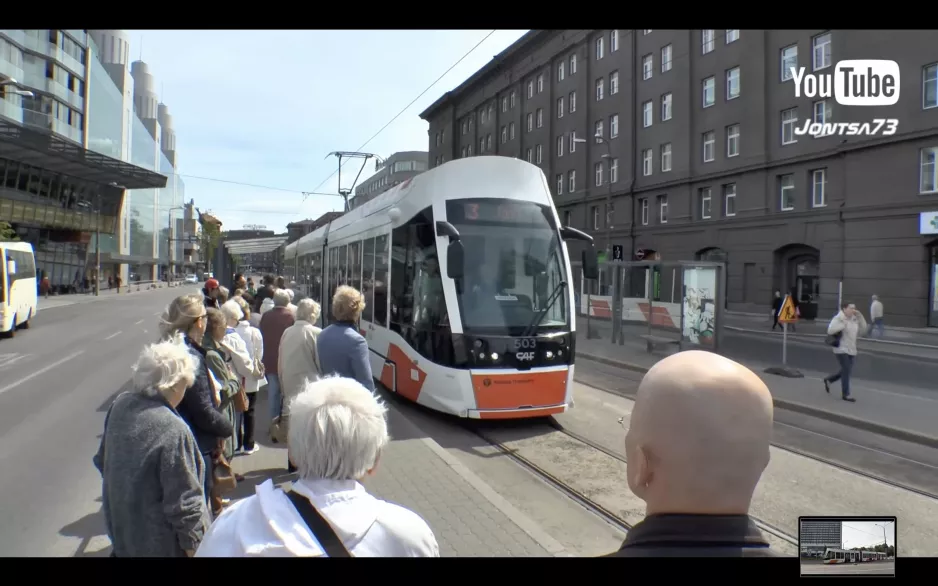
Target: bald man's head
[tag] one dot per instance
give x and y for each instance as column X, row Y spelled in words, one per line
column 699, row 435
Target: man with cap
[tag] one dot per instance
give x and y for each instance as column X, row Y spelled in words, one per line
column 210, row 294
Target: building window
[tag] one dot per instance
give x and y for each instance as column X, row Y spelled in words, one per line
column 930, row 86
column 610, row 214
column 789, row 120
column 573, row 141
column 531, row 89
column 732, row 140
column 614, row 41
column 789, row 61
column 666, row 101
column 732, row 35
column 614, row 171
column 567, row 218
column 561, row 70
column 709, row 92
column 540, row 117
column 481, row 145
column 504, row 104
column 560, row 146
column 706, row 201
column 732, row 83
column 469, row 150
column 818, row 188
column 511, row 131
column 511, row 99
column 646, row 114
column 647, row 66
column 573, row 64
column 729, row 200
column 488, row 142
column 666, row 58
column 595, row 210
column 529, row 155
column 646, row 162
column 929, row 171
column 822, row 112
column 482, row 116
column 600, row 86
column 538, row 154
column 572, row 100
column 663, row 209
column 530, row 121
column 598, row 131
column 822, row 51
column 707, row 40
column 643, row 206
column 465, row 126
column 614, row 126
column 600, row 48
column 560, row 188
column 571, row 181
column 787, row 192
column 613, row 83
column 666, row 157
column 504, row 134
column 560, row 107
column 598, row 172
column 463, row 153
column 540, row 82
column 709, row 144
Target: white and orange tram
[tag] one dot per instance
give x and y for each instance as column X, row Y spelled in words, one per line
column 849, row 556
column 466, row 276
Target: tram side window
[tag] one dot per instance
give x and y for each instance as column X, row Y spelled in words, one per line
column 333, row 275
column 315, row 275
column 429, row 302
column 355, row 265
column 368, row 268
column 382, row 266
column 402, row 301
column 343, row 265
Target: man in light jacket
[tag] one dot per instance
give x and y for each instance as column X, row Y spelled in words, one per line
column 337, row 432
column 844, row 328
column 876, row 317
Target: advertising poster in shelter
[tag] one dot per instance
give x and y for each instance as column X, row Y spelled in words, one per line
column 699, row 305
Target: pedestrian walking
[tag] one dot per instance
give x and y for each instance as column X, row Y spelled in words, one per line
column 337, row 433
column 273, row 323
column 842, row 335
column 776, row 307
column 876, row 317
column 152, row 472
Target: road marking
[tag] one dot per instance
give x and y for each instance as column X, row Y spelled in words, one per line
column 9, row 359
column 138, row 322
column 114, row 335
column 41, row 371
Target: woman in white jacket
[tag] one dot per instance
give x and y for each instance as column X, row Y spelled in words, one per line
column 842, row 335
column 247, row 350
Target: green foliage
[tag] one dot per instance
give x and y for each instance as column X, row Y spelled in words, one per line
column 7, row 234
column 209, row 237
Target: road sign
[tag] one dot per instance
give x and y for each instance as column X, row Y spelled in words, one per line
column 640, row 253
column 616, row 252
column 787, row 313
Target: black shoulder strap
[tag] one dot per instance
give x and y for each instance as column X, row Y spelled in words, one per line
column 321, row 528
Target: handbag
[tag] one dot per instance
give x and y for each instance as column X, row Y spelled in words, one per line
column 259, row 371
column 223, row 476
column 320, row 528
column 240, row 400
column 833, row 339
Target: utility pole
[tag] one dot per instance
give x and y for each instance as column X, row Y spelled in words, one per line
column 97, row 247
column 350, row 155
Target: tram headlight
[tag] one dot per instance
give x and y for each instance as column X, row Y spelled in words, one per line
column 477, row 344
column 494, row 355
column 549, row 354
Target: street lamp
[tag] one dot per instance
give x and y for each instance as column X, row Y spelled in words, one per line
column 589, row 326
column 169, row 244
column 16, row 84
column 885, row 541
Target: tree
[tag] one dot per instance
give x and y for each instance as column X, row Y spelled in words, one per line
column 7, row 233
column 209, row 237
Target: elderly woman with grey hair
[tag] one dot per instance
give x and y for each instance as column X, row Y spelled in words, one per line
column 154, row 504
column 299, row 357
column 338, row 430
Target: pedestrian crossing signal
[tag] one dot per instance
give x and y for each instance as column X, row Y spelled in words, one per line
column 787, row 313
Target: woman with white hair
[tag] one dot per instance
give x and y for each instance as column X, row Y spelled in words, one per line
column 338, row 429
column 299, row 357
column 153, row 499
column 247, row 347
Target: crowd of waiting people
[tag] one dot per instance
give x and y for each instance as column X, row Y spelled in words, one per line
column 697, row 444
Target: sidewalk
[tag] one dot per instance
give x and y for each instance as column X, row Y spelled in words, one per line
column 105, row 294
column 467, row 516
column 818, row 328
column 898, row 411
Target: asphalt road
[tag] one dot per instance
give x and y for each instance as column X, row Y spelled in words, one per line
column 906, row 464
column 57, row 380
column 884, row 568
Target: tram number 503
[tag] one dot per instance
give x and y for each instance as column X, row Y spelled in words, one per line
column 524, row 349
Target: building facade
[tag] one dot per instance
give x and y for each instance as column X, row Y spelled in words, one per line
column 697, row 157
column 816, row 536
column 296, row 230
column 56, row 190
column 395, row 170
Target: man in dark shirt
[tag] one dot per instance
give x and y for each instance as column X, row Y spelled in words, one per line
column 697, row 445
column 266, row 291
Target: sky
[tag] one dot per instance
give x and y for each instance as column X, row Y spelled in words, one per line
column 867, row 534
column 266, row 108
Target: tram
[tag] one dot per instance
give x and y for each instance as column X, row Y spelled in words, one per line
column 467, row 280
column 846, row 556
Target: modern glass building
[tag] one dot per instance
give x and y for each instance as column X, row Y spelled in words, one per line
column 62, row 177
column 817, row 535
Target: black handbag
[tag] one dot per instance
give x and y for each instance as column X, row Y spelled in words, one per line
column 321, row 528
column 833, row 339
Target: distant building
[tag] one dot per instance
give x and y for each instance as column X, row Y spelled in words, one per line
column 397, row 169
column 816, row 536
column 296, row 230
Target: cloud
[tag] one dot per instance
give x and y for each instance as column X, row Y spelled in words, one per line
column 267, row 107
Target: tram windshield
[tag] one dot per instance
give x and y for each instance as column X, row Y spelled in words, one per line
column 513, row 262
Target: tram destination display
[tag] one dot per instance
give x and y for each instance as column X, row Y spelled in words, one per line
column 495, row 211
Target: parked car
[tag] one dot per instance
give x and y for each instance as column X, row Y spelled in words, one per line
column 191, row 279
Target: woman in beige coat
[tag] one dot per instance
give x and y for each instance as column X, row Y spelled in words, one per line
column 299, row 357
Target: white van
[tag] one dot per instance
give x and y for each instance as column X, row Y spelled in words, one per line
column 19, row 287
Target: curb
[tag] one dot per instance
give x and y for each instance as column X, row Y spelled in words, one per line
column 877, row 428
column 97, row 299
column 821, row 336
